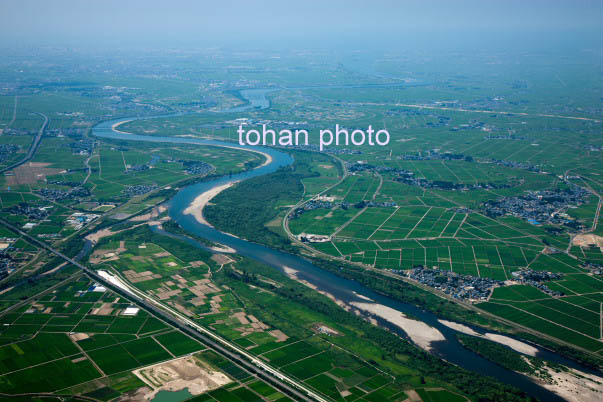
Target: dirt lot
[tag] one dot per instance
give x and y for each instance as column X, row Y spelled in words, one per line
column 30, row 173
column 185, row 372
column 585, row 240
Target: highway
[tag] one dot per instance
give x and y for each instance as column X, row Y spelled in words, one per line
column 239, row 356
column 121, row 283
column 32, row 149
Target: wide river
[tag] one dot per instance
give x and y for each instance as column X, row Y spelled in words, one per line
column 345, row 290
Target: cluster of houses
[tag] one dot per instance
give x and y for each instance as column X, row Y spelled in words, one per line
column 7, row 264
column 139, row 189
column 329, row 203
column 362, row 166
column 66, row 183
column 143, row 166
column 7, row 151
column 275, row 124
column 472, row 125
column 137, row 168
column 594, row 268
column 82, row 147
column 409, row 178
column 462, row 287
column 536, row 279
column 435, row 154
column 17, row 131
column 318, row 203
column 501, row 136
column 540, row 207
column 328, row 150
column 59, row 195
column 313, row 238
column 516, row 165
column 375, row 204
column 31, row 212
column 196, row 167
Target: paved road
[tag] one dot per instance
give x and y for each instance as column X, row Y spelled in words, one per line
column 441, row 294
column 43, row 395
column 458, row 109
column 14, row 112
column 21, row 303
column 185, row 320
column 243, row 359
column 304, row 201
column 32, row 149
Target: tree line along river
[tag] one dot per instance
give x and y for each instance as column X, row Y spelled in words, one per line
column 345, row 290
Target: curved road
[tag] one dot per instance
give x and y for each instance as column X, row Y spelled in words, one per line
column 32, row 149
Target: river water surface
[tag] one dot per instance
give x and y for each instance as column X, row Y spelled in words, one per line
column 343, row 289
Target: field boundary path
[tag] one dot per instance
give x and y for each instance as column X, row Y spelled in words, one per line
column 232, row 352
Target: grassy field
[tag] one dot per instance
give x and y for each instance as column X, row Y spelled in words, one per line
column 488, row 134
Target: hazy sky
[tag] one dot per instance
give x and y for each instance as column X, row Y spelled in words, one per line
column 308, row 22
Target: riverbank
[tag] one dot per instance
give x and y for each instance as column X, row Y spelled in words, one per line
column 574, row 385
column 420, row 333
column 268, row 160
column 119, row 123
column 267, row 156
column 340, row 288
column 514, row 344
column 220, row 248
column 293, row 274
column 196, row 207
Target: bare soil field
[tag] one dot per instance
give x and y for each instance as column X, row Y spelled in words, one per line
column 185, row 372
column 30, row 173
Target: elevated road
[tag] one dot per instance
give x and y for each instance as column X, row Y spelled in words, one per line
column 32, row 149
